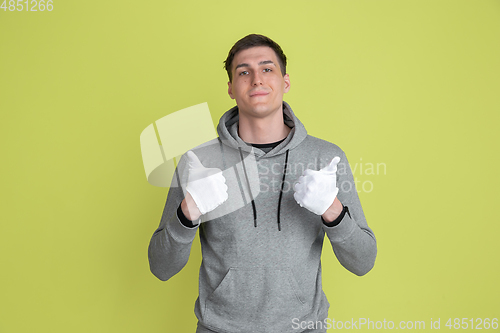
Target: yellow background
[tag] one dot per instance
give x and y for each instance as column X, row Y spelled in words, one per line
column 411, row 84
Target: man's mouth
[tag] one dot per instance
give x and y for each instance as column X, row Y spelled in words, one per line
column 259, row 93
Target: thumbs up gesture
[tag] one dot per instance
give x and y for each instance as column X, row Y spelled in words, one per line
column 207, row 186
column 316, row 190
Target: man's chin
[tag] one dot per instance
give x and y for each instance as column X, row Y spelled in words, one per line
column 259, row 111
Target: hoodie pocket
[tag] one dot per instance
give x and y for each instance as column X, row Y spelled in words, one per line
column 255, row 299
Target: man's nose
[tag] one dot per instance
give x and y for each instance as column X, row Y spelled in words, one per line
column 256, row 79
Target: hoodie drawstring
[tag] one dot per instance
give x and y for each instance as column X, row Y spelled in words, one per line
column 281, row 191
column 250, row 190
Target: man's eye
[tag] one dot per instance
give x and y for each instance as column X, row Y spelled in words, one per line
column 243, row 73
column 268, row 70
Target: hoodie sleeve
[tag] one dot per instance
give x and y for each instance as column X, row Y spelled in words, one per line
column 170, row 244
column 353, row 242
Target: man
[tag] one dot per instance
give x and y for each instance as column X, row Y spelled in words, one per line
column 267, row 193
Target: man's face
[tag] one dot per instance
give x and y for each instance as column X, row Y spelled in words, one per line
column 258, row 85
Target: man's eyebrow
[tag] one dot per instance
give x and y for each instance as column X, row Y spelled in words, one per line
column 264, row 62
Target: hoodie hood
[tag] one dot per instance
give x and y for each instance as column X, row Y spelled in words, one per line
column 228, row 132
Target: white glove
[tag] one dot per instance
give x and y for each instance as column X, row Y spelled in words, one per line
column 316, row 190
column 207, row 186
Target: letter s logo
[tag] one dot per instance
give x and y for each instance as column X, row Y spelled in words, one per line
column 170, row 137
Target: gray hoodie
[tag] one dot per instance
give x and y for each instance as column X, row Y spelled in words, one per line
column 261, row 267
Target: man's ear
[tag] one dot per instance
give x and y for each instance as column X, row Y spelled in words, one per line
column 230, row 90
column 286, row 77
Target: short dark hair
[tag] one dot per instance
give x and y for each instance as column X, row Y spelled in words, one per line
column 254, row 40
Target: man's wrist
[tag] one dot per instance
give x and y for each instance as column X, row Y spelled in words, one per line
column 189, row 208
column 184, row 220
column 339, row 218
column 333, row 212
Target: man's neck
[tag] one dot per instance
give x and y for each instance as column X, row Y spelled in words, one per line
column 263, row 130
